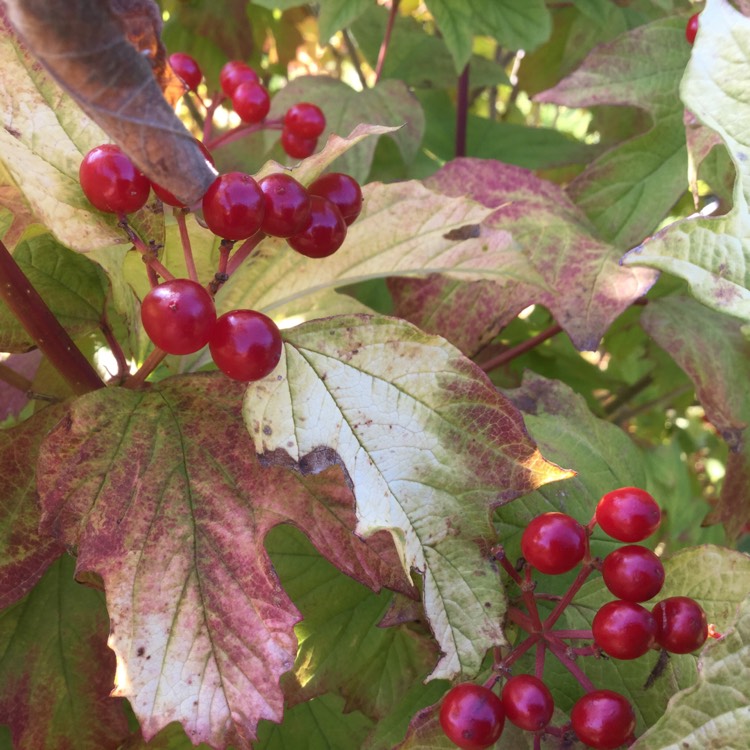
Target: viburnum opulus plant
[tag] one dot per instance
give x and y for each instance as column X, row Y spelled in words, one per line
column 374, row 376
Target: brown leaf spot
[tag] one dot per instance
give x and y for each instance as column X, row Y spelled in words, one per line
column 466, row 232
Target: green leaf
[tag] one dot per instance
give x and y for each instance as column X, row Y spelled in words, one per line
column 338, row 14
column 713, row 255
column 417, row 427
column 56, row 670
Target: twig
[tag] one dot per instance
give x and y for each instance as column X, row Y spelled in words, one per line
column 462, row 112
column 516, row 351
column 353, row 54
column 147, row 253
column 386, row 39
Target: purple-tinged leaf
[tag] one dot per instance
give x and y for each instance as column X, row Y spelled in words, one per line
column 14, row 385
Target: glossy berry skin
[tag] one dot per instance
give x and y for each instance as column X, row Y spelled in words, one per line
column 633, row 573
column 111, row 181
column 628, row 514
column 296, row 146
column 691, row 28
column 472, row 716
column 251, row 101
column 287, row 205
column 305, row 120
column 170, row 198
column 342, row 190
column 233, row 74
column 233, row 206
column 178, row 316
column 553, row 543
column 527, row 702
column 624, row 630
column 187, row 69
column 681, row 625
column 245, row 344
column 324, row 231
column 603, row 719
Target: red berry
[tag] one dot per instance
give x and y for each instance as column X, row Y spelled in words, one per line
column 178, row 316
column 633, row 573
column 233, row 74
column 628, row 514
column 528, row 702
column 305, row 120
column 251, row 101
column 233, row 206
column 296, row 146
column 603, row 719
column 245, row 344
column 681, row 625
column 287, row 205
column 343, row 191
column 472, row 716
column 324, row 231
column 169, row 198
column 111, row 181
column 187, row 69
column 553, row 543
column 624, row 630
column 691, row 29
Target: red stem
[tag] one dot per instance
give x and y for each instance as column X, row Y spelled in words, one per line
column 44, row 328
column 571, row 666
column 243, row 251
column 138, row 378
column 462, row 112
column 187, row 248
column 148, row 255
column 516, row 351
column 386, row 39
column 242, row 130
column 583, row 574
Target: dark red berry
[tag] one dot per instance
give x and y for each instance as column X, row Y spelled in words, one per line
column 187, row 69
column 681, row 625
column 691, row 29
column 305, row 120
column 245, row 344
column 553, row 543
column 633, row 573
column 472, row 716
column 169, row 198
column 603, row 719
column 296, row 146
column 324, row 231
column 111, row 181
column 287, row 205
column 178, row 316
column 628, row 514
column 233, row 206
column 527, row 702
column 251, row 101
column 342, row 190
column 624, row 630
column 233, row 74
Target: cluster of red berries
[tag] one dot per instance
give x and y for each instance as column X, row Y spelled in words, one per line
column 472, row 716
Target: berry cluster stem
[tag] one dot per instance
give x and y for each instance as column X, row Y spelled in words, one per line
column 148, row 255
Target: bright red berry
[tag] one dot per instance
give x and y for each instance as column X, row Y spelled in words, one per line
column 233, row 206
column 342, row 190
column 251, row 101
column 305, row 120
column 111, row 181
column 245, row 344
column 624, row 630
column 324, row 231
column 178, row 316
column 603, row 719
column 472, row 716
column 633, row 573
column 296, row 146
column 691, row 29
column 169, row 198
column 527, row 702
column 681, row 625
column 287, row 205
column 553, row 543
column 187, row 69
column 628, row 514
column 233, row 74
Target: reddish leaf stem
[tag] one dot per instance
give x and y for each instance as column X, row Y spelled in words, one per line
column 516, row 351
column 583, row 574
column 243, row 251
column 225, row 248
column 584, row 635
column 571, row 666
column 462, row 112
column 14, row 379
column 147, row 253
column 44, row 328
column 138, row 378
column 187, row 248
column 386, row 39
column 242, row 130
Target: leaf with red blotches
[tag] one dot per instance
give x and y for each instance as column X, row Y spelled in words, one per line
column 163, row 496
column 56, row 670
column 569, row 269
column 24, row 553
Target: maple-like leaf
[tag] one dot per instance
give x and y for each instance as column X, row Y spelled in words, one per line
column 713, row 254
column 429, row 447
column 162, row 495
